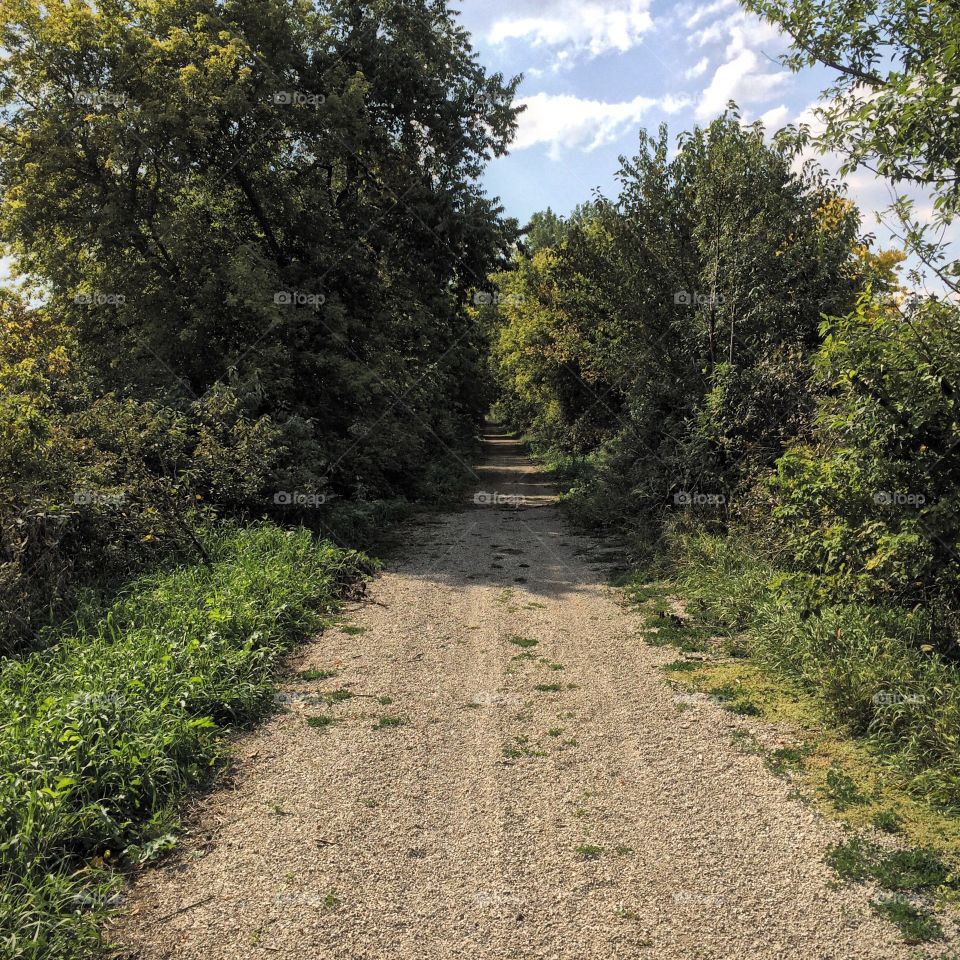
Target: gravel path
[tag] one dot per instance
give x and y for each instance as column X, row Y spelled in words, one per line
column 543, row 801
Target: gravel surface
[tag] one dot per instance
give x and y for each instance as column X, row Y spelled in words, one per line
column 600, row 816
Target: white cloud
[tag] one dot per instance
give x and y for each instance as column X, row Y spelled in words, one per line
column 709, row 34
column 748, row 32
column 672, row 104
column 741, row 79
column 564, row 121
column 698, row 69
column 773, row 119
column 589, row 27
column 708, row 11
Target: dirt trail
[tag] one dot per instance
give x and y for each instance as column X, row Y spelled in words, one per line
column 599, row 816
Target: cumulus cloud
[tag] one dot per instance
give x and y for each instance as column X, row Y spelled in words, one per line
column 743, row 79
column 773, row 119
column 748, row 32
column 709, row 10
column 581, row 27
column 672, row 104
column 698, row 69
column 562, row 121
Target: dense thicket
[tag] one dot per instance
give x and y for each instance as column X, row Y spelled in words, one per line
column 673, row 326
column 249, row 231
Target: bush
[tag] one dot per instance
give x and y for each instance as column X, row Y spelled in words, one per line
column 92, row 487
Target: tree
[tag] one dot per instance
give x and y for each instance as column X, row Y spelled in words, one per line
column 673, row 326
column 269, row 195
column 894, row 107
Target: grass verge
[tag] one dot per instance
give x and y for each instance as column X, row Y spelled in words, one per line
column 103, row 732
column 904, row 836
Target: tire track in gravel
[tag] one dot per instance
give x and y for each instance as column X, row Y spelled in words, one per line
column 596, row 820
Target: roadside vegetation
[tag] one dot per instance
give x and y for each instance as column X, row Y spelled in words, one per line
column 125, row 710
column 722, row 369
column 235, row 346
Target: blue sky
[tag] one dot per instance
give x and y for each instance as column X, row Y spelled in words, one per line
column 596, row 71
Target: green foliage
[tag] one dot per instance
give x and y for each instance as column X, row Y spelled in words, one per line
column 917, row 924
column 253, row 232
column 276, row 197
column 842, row 789
column 94, row 486
column 893, row 106
column 101, row 734
column 874, row 667
column 910, row 870
column 870, row 508
column 913, row 871
column 667, row 334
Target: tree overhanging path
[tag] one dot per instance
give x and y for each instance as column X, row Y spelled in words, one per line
column 609, row 818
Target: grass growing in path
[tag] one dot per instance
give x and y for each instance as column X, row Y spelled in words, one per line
column 523, row 642
column 103, row 732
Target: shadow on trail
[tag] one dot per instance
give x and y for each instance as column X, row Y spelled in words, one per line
column 510, row 534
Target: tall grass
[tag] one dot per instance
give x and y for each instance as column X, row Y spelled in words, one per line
column 875, row 669
column 104, row 730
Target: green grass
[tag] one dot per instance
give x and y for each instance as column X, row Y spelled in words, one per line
column 316, row 674
column 852, row 657
column 524, row 642
column 386, row 722
column 336, row 696
column 884, row 762
column 917, row 924
column 842, row 790
column 887, row 821
column 105, row 731
column 785, row 759
column 734, row 700
column 320, row 721
column 682, row 666
column 913, row 870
